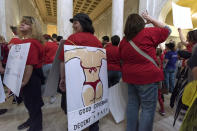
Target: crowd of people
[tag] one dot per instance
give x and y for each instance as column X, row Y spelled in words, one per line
column 149, row 71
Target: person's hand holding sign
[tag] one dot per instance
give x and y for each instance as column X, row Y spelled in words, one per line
column 62, row 85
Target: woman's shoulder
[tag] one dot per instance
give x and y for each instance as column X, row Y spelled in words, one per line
column 31, row 40
column 123, row 41
column 35, row 43
column 80, row 34
column 85, row 38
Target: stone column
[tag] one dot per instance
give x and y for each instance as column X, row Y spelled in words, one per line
column 64, row 13
column 3, row 26
column 117, row 17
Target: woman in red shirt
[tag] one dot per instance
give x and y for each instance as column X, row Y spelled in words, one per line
column 83, row 36
column 190, row 42
column 160, row 59
column 113, row 61
column 140, row 73
column 29, row 32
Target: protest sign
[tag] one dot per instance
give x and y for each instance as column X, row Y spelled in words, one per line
column 86, row 85
column 181, row 17
column 118, row 98
column 2, row 93
column 53, row 78
column 15, row 67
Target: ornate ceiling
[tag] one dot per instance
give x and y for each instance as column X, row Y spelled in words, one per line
column 48, row 8
column 186, row 3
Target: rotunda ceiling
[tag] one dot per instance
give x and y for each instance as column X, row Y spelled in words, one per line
column 48, row 8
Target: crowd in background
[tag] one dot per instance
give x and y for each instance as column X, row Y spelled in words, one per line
column 150, row 72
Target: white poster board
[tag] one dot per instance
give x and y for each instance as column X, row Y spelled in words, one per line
column 181, row 17
column 15, row 67
column 53, row 78
column 2, row 93
column 86, row 85
column 118, row 99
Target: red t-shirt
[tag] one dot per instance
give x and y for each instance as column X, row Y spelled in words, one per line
column 189, row 47
column 113, row 58
column 81, row 39
column 14, row 40
column 136, row 69
column 36, row 52
column 50, row 52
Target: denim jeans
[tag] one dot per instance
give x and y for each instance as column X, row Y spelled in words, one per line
column 144, row 96
column 113, row 77
column 46, row 70
column 170, row 79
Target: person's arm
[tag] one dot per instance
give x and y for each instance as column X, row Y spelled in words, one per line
column 27, row 75
column 182, row 38
column 62, row 77
column 2, row 70
column 166, row 59
column 165, row 63
column 155, row 22
column 149, row 20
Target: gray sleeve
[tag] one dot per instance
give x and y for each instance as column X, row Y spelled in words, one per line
column 167, row 27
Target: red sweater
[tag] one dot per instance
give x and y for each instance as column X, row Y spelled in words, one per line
column 136, row 69
column 113, row 58
column 36, row 52
column 50, row 52
column 81, row 39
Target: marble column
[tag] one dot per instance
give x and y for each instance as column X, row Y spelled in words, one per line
column 3, row 19
column 117, row 17
column 64, row 13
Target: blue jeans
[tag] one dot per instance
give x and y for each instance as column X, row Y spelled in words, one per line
column 113, row 77
column 170, row 79
column 144, row 96
column 46, row 70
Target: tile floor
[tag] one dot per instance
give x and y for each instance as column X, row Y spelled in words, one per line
column 55, row 120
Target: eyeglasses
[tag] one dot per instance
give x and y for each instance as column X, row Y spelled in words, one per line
column 30, row 18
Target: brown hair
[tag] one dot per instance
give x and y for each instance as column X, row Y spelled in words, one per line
column 134, row 25
column 192, row 36
column 47, row 37
column 171, row 45
column 36, row 30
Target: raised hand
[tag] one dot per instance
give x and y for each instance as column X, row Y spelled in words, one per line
column 147, row 17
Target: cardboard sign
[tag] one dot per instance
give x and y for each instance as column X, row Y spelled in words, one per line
column 86, row 85
column 53, row 78
column 2, row 93
column 181, row 17
column 15, row 67
column 118, row 99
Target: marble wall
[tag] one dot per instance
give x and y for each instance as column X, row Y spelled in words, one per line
column 15, row 9
column 103, row 23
